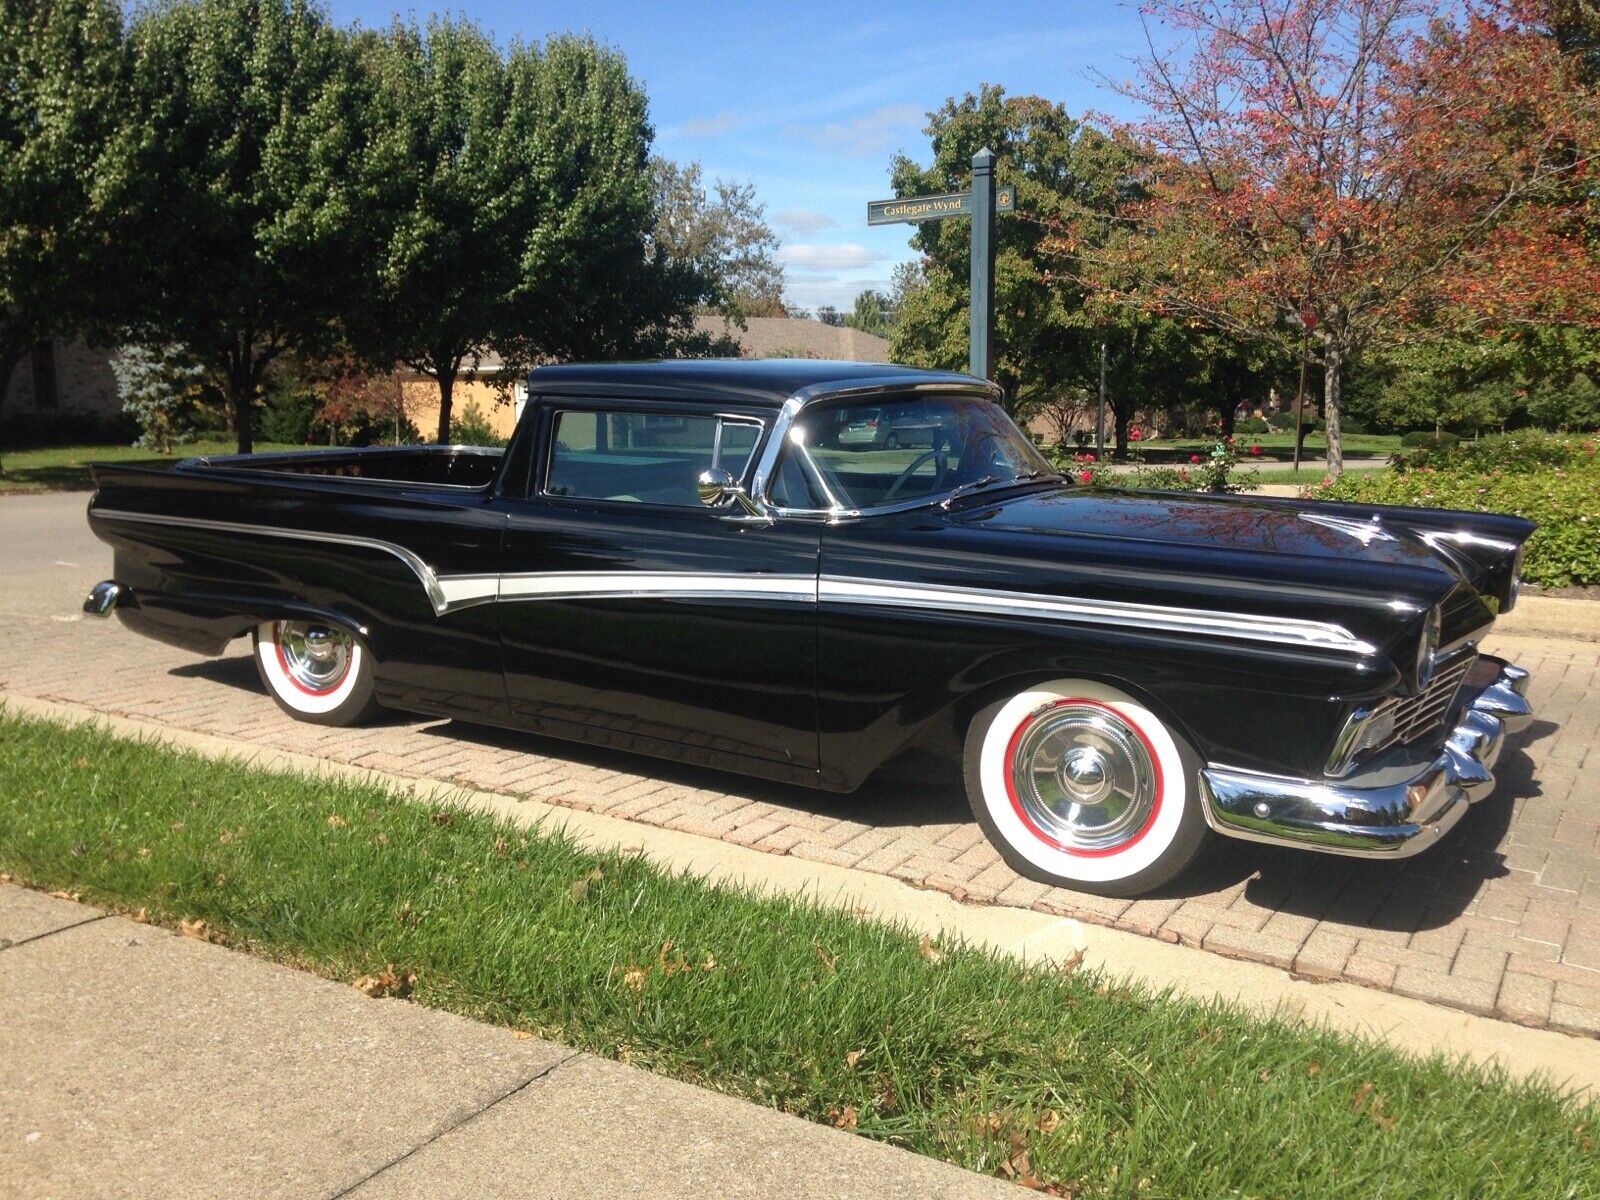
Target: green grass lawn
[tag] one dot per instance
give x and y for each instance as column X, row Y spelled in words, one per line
column 1281, row 445
column 66, row 468
column 1079, row 1082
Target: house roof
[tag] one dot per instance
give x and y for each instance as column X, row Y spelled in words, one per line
column 765, row 381
column 796, row 337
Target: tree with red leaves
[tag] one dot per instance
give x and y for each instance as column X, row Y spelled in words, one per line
column 1364, row 171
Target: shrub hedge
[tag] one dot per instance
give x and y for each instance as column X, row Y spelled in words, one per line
column 1548, row 478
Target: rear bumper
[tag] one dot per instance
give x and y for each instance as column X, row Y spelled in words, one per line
column 1394, row 808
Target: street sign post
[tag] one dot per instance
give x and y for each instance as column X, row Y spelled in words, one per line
column 981, row 203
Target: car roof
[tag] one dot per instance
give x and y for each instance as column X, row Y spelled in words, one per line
column 761, row 381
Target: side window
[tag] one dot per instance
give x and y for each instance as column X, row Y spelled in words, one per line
column 643, row 457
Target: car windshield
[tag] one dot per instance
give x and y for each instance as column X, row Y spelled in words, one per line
column 921, row 448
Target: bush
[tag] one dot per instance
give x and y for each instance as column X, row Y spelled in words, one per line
column 1427, row 437
column 286, row 414
column 1353, row 427
column 1506, row 474
column 1281, row 422
column 472, row 428
column 1255, row 425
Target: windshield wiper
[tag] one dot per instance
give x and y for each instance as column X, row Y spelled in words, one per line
column 987, row 480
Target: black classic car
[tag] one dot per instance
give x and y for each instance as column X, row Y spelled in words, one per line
column 706, row 561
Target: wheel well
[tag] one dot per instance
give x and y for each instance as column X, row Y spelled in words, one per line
column 971, row 705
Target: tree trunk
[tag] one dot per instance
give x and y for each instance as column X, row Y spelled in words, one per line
column 8, row 365
column 447, row 383
column 1332, row 385
column 241, row 406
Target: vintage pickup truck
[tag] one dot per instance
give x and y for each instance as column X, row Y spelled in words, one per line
column 701, row 560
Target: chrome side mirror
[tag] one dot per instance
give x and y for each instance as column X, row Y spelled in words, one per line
column 717, row 486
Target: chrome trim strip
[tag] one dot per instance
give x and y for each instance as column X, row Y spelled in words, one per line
column 437, row 595
column 448, row 593
column 1244, row 626
column 688, row 585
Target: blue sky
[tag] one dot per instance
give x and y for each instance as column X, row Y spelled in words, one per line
column 811, row 102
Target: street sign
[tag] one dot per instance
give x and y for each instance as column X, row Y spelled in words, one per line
column 916, row 209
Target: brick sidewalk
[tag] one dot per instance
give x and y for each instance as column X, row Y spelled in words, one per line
column 1502, row 918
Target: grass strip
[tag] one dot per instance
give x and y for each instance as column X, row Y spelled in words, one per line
column 66, row 468
column 1062, row 1078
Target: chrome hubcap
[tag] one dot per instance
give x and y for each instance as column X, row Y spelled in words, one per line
column 315, row 657
column 1083, row 777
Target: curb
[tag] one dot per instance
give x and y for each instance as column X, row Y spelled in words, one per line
column 1413, row 1026
column 1552, row 616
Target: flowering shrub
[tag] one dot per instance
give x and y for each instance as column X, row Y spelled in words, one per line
column 1552, row 480
column 1206, row 473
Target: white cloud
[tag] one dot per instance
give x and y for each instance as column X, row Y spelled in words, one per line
column 804, row 220
column 714, row 126
column 812, row 257
column 871, row 133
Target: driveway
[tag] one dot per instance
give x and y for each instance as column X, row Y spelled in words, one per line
column 1501, row 918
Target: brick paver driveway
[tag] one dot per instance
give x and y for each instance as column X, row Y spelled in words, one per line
column 1503, row 917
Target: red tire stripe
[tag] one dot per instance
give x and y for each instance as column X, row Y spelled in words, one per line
column 1022, row 813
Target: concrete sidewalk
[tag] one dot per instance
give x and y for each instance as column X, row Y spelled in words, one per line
column 137, row 1063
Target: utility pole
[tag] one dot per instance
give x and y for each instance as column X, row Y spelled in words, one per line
column 1100, row 412
column 980, row 349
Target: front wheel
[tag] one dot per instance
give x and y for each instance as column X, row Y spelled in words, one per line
column 1080, row 785
column 318, row 673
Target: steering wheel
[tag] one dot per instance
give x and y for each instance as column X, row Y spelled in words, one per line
column 943, row 463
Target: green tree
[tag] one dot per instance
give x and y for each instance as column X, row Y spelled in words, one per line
column 254, row 111
column 724, row 233
column 593, row 281
column 449, row 208
column 872, row 313
column 63, row 167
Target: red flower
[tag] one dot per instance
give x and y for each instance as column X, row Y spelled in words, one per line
column 1255, row 448
column 1086, row 476
column 1194, row 458
column 1134, row 433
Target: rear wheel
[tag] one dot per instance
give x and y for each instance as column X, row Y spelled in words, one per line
column 316, row 672
column 1080, row 785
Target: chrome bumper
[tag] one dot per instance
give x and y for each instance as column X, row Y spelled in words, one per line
column 1393, row 808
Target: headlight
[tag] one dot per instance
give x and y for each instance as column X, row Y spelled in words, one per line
column 1427, row 648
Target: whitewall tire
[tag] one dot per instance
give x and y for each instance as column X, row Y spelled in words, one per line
column 318, row 673
column 1079, row 784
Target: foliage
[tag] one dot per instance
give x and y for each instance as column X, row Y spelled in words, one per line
column 1552, row 480
column 873, row 313
column 63, row 168
column 473, row 428
column 164, row 389
column 1363, row 170
column 1439, row 440
column 725, row 237
column 249, row 184
column 1060, row 1076
column 1213, row 470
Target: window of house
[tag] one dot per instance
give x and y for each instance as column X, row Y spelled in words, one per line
column 644, row 457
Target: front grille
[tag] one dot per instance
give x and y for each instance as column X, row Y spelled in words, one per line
column 1417, row 716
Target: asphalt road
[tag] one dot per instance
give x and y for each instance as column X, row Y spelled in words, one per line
column 48, row 558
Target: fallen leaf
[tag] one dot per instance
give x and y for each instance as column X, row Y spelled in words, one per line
column 1049, row 1121
column 144, row 852
column 1313, row 1067
column 522, row 1035
column 670, row 968
column 82, row 762
column 501, row 847
column 63, row 895
column 1071, row 962
column 989, row 1124
column 387, row 982
column 5, row 877
column 1017, row 1165
column 335, row 821
column 580, row 887
column 440, row 816
column 633, row 977
column 201, row 932
column 843, row 1118
column 141, row 916
column 381, row 839
column 928, row 950
column 831, row 961
column 710, row 964
column 852, row 1058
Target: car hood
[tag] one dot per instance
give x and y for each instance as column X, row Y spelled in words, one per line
column 1218, row 522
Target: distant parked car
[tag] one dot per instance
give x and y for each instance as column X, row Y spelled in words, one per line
column 699, row 560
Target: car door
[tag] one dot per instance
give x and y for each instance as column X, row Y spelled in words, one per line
column 634, row 616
